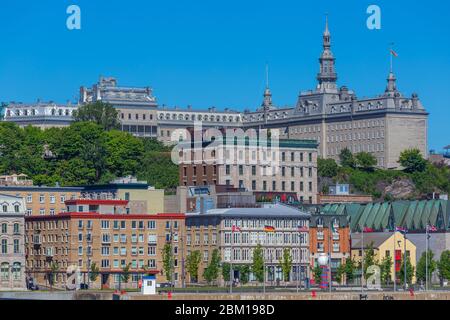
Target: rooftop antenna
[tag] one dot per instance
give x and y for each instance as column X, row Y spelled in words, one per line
column 267, row 75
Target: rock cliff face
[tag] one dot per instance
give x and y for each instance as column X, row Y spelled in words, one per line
column 399, row 189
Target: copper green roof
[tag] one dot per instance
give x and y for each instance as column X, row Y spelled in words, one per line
column 413, row 215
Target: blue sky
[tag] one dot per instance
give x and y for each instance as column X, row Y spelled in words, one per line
column 213, row 53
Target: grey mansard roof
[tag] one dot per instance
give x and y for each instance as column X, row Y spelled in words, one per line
column 277, row 211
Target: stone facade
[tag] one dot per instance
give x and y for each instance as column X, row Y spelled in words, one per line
column 290, row 167
column 214, row 230
column 12, row 237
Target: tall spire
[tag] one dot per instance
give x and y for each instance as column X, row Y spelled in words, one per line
column 267, row 102
column 327, row 76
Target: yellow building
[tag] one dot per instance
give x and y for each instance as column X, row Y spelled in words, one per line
column 385, row 244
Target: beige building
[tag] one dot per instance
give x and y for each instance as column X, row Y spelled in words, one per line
column 12, row 253
column 290, row 166
column 237, row 232
column 101, row 232
column 41, row 201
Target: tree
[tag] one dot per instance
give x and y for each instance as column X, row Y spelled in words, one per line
column 409, row 271
column 349, row 270
column 317, row 273
column 444, row 265
column 327, row 168
column 286, row 264
column 366, row 161
column 412, row 161
column 340, row 273
column 422, row 266
column 212, row 270
column 369, row 260
column 123, row 153
column 125, row 275
column 385, row 269
column 258, row 263
column 244, row 273
column 226, row 269
column 168, row 261
column 94, row 272
column 101, row 113
column 346, row 158
column 192, row 262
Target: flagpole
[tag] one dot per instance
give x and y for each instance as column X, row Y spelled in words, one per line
column 362, row 260
column 395, row 263
column 298, row 258
column 404, row 256
column 264, row 263
column 329, row 260
column 426, row 259
column 231, row 261
column 392, row 58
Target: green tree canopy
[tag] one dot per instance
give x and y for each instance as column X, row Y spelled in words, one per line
column 369, row 259
column 327, row 168
column 444, row 265
column 258, row 263
column 99, row 112
column 346, row 158
column 226, row 270
column 286, row 264
column 385, row 269
column 421, row 266
column 212, row 270
column 409, row 271
column 366, row 161
column 412, row 161
column 168, row 263
column 192, row 263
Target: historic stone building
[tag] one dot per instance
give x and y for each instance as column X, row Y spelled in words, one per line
column 40, row 114
column 384, row 125
column 12, row 247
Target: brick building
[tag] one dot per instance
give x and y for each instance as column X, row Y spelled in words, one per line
column 330, row 235
column 288, row 167
column 101, row 232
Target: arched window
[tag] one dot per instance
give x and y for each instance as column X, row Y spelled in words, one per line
column 53, row 112
column 4, row 228
column 5, row 208
column 16, row 228
column 16, row 208
column 4, row 271
column 16, row 271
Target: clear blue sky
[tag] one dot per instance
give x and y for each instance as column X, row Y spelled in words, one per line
column 213, row 53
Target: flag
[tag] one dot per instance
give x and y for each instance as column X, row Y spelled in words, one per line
column 394, row 53
column 432, row 228
column 302, row 229
column 269, row 229
column 401, row 230
column 236, row 229
column 368, row 230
